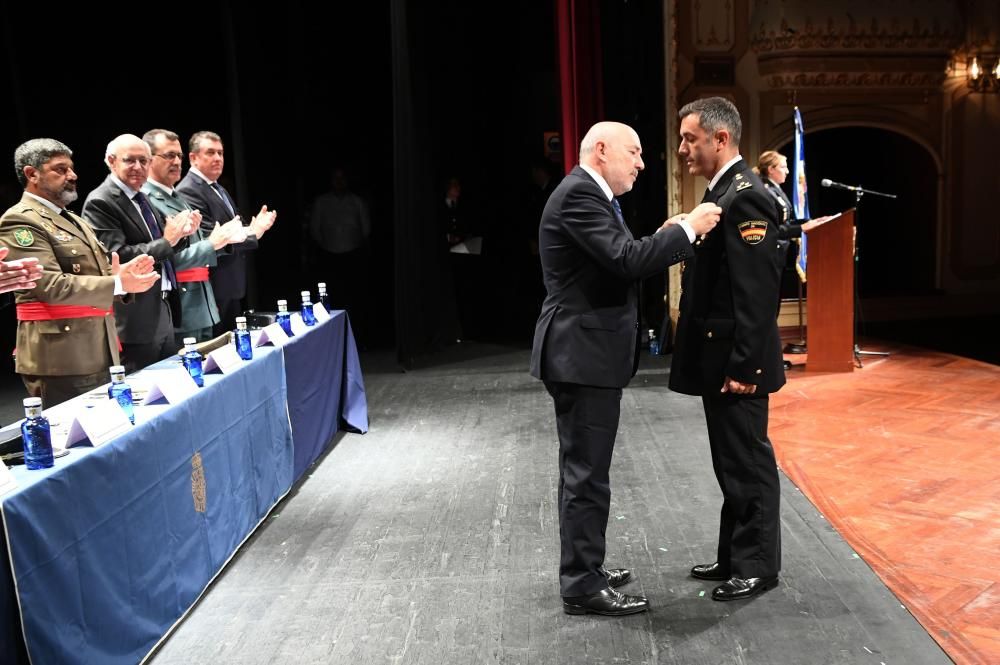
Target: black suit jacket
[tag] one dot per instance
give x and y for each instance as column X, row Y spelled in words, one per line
column 588, row 330
column 229, row 277
column 728, row 324
column 121, row 228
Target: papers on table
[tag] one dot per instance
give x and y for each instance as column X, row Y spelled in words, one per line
column 320, row 313
column 225, row 358
column 101, row 423
column 7, row 479
column 273, row 334
column 174, row 385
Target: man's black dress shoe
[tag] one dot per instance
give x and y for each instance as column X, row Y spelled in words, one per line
column 607, row 602
column 738, row 588
column 617, row 576
column 709, row 571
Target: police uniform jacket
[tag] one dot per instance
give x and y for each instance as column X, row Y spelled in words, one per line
column 588, row 330
column 198, row 309
column 727, row 324
column 77, row 272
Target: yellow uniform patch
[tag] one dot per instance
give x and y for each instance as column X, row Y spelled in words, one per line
column 753, row 231
column 743, row 185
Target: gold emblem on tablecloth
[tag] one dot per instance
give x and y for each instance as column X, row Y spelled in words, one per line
column 198, row 483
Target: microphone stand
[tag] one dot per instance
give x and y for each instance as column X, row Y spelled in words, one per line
column 858, row 352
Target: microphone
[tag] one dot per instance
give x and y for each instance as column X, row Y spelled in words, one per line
column 826, row 182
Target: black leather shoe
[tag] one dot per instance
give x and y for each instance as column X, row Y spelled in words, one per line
column 738, row 588
column 709, row 571
column 617, row 576
column 607, row 602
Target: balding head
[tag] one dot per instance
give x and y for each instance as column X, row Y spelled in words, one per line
column 614, row 151
column 128, row 157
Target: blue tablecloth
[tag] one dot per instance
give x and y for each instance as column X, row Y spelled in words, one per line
column 114, row 544
column 328, row 392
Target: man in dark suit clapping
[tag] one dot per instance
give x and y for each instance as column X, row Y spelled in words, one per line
column 202, row 190
column 586, row 345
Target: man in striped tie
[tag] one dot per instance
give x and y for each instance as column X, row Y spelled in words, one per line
column 126, row 223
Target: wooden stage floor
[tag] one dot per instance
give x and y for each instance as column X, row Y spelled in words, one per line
column 903, row 458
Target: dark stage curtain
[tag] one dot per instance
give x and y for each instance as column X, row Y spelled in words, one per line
column 426, row 318
column 581, row 87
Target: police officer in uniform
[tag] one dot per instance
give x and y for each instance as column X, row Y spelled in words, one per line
column 66, row 336
column 728, row 350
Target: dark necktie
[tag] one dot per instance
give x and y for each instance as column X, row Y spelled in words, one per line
column 225, row 198
column 708, row 195
column 154, row 231
column 65, row 215
column 618, row 211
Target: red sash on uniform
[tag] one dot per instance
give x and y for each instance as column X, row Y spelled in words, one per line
column 40, row 311
column 193, row 275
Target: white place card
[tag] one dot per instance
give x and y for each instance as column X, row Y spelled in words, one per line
column 320, row 312
column 298, row 325
column 174, row 385
column 225, row 358
column 273, row 334
column 101, row 423
column 7, row 479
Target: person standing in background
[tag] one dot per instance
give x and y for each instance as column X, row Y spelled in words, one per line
column 340, row 225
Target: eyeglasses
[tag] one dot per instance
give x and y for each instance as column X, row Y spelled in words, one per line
column 169, row 156
column 130, row 160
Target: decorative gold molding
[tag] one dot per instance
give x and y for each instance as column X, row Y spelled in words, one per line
column 895, row 36
column 857, row 80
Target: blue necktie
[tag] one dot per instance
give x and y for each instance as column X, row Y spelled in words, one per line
column 154, row 231
column 225, row 199
column 618, row 211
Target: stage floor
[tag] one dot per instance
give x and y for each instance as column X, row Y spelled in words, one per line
column 433, row 538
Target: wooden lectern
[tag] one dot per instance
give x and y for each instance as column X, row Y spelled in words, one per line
column 830, row 299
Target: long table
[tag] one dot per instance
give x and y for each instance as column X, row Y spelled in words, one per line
column 113, row 545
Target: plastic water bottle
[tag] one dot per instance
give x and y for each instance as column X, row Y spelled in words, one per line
column 323, row 297
column 284, row 318
column 192, row 361
column 243, row 345
column 37, row 435
column 121, row 391
column 308, row 317
column 654, row 344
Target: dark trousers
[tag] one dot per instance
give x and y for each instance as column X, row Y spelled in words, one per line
column 587, row 422
column 160, row 346
column 749, row 533
column 228, row 311
column 58, row 389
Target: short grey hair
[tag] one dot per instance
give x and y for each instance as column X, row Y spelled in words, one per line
column 150, row 137
column 715, row 113
column 194, row 143
column 35, row 153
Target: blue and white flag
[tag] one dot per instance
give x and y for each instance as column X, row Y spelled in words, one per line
column 800, row 193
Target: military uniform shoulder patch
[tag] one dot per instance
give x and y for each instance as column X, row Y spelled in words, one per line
column 743, row 185
column 24, row 237
column 753, row 231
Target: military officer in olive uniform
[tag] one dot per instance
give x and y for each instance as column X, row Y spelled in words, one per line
column 728, row 350
column 66, row 337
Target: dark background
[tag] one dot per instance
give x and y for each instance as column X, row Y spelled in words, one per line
column 295, row 90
